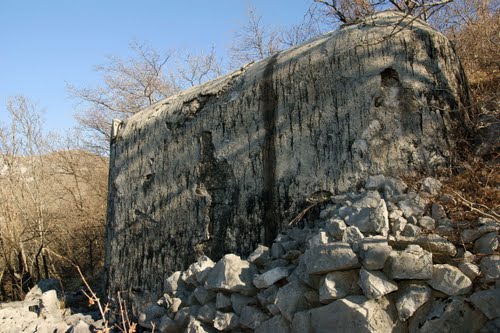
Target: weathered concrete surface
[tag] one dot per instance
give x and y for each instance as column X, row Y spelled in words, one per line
column 223, row 166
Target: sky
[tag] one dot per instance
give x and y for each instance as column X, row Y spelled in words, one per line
column 47, row 44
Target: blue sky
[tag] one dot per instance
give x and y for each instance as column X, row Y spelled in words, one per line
column 45, row 44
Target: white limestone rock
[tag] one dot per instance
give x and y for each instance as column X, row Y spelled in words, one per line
column 232, row 274
column 410, row 298
column 330, row 257
column 226, row 321
column 340, row 284
column 270, row 277
column 450, row 280
column 490, row 268
column 291, row 299
column 375, row 284
column 414, row 263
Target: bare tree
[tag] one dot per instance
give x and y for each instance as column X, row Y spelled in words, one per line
column 254, row 41
column 194, row 68
column 128, row 86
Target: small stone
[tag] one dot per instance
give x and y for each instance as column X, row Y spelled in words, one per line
column 290, row 299
column 223, row 302
column 194, row 326
column 398, row 225
column 379, row 218
column 393, row 187
column 470, row 235
column 302, row 322
column 437, row 212
column 173, row 283
column 183, row 315
column 260, row 255
column 410, row 299
column 232, row 274
column 486, row 244
column 197, row 272
column 277, row 250
column 450, row 280
column 414, row 263
column 351, row 314
column 427, row 223
column 375, row 284
column 339, row 284
column 151, row 315
column 330, row 257
column 203, row 296
column 411, row 230
column 207, row 313
column 431, row 186
column 270, row 277
column 336, row 228
column 167, row 325
column 268, row 296
column 353, row 236
column 277, row 324
column 375, row 183
column 290, row 245
column 226, row 321
column 374, row 256
column 490, row 268
column 239, row 301
column 410, row 208
column 488, row 301
column 251, row 317
column 469, row 269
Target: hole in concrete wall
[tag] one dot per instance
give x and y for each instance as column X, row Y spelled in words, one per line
column 390, row 77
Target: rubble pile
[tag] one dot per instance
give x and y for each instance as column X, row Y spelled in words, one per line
column 383, row 259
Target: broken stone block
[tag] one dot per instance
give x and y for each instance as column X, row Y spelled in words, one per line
column 239, row 301
column 375, row 284
column 183, row 315
column 302, row 322
column 206, row 313
column 226, row 321
column 251, row 317
column 379, row 219
column 450, row 280
column 374, row 255
column 414, row 263
column 411, row 230
column 490, row 268
column 375, row 183
column 353, row 236
column 488, row 301
column 336, row 228
column 291, row 299
column 277, row 324
column 270, row 277
column 330, row 257
column 410, row 298
column 339, row 284
column 203, row 295
column 194, row 326
column 486, row 244
column 469, row 269
column 232, row 274
column 197, row 272
column 351, row 314
column 427, row 223
column 267, row 296
column 260, row 256
column 431, row 186
column 223, row 302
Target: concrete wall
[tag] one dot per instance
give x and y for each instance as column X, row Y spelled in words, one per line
column 223, row 166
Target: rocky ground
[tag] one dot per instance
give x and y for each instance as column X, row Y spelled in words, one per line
column 383, row 259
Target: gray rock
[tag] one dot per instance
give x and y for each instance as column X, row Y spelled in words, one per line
column 330, row 257
column 339, row 284
column 375, row 284
column 277, row 324
column 398, row 225
column 492, row 326
column 431, row 186
column 251, row 317
column 43, row 286
column 375, row 183
column 167, row 325
column 437, row 212
column 351, row 314
column 203, row 295
column 174, row 282
column 353, row 236
column 302, row 274
column 410, row 208
column 239, row 301
column 270, row 277
column 260, row 256
column 223, row 302
column 151, row 316
column 427, row 223
column 277, row 250
column 374, row 255
column 450, row 280
column 226, row 321
column 470, row 235
column 319, row 238
column 414, row 263
column 486, row 244
column 291, row 299
column 439, row 246
column 302, row 322
column 50, row 305
column 206, row 313
column 410, row 298
column 194, row 326
column 490, row 268
column 183, row 315
column 411, row 230
column 197, row 272
column 232, row 274
column 81, row 327
column 379, row 218
column 336, row 228
column 488, row 301
column 469, row 269
column 449, row 315
column 268, row 296
column 393, row 187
